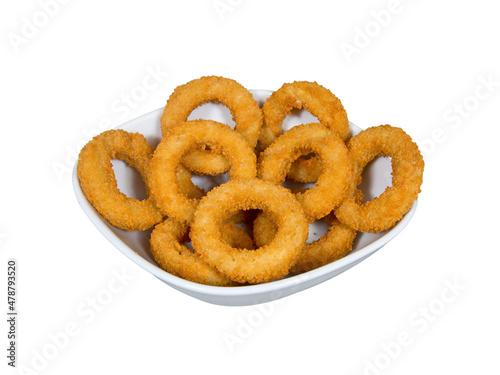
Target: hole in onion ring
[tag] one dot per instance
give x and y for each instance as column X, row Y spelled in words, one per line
column 317, row 230
column 213, row 111
column 373, row 184
column 294, row 185
column 128, row 180
column 189, row 245
column 207, row 183
column 245, row 218
column 297, row 117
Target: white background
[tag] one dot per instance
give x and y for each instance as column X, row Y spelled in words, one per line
column 65, row 77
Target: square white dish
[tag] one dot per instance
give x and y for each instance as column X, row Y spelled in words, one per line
column 135, row 245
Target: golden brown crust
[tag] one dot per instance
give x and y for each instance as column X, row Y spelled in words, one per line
column 305, row 169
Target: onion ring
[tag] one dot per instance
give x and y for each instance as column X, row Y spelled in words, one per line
column 384, row 211
column 98, row 182
column 333, row 183
column 175, row 258
column 335, row 244
column 246, row 114
column 320, row 102
column 167, row 157
column 266, row 263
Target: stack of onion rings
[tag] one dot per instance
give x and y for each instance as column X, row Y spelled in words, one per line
column 225, row 255
column 169, row 196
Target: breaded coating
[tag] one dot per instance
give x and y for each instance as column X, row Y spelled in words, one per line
column 305, row 169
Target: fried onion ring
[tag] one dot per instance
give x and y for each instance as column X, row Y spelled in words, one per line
column 333, row 182
column 266, row 263
column 320, row 102
column 246, row 114
column 173, row 257
column 335, row 244
column 98, row 182
column 385, row 210
column 177, row 142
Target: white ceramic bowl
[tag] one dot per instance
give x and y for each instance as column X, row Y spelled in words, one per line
column 135, row 245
